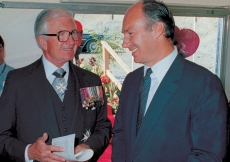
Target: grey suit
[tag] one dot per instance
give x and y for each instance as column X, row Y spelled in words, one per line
column 28, row 109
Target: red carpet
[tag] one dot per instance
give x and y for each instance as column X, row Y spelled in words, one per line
column 106, row 156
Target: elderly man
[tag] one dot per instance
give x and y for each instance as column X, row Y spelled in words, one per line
column 170, row 110
column 42, row 101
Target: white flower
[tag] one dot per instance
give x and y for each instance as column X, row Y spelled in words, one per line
column 86, row 135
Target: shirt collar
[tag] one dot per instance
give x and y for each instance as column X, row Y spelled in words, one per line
column 2, row 66
column 50, row 68
column 161, row 67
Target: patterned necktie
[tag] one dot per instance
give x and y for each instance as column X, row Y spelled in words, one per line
column 59, row 82
column 143, row 96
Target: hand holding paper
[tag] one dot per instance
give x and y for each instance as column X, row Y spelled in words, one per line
column 41, row 152
column 67, row 142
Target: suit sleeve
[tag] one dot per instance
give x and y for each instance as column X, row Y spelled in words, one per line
column 99, row 139
column 208, row 125
column 10, row 146
column 118, row 145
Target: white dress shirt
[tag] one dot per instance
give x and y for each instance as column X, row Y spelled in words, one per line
column 49, row 69
column 159, row 71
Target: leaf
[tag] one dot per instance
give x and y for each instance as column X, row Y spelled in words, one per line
column 107, row 94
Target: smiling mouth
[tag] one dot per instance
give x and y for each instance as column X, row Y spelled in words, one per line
column 68, row 49
column 134, row 50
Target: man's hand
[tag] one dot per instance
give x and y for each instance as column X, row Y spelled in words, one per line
column 41, row 152
column 81, row 147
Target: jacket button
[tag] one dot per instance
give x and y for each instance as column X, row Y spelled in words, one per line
column 64, row 119
column 65, row 129
column 63, row 108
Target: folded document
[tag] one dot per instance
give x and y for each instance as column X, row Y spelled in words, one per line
column 67, row 143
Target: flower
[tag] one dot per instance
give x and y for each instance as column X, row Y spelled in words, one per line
column 111, row 90
column 105, row 79
column 115, row 104
column 86, row 135
column 112, row 93
column 116, row 100
column 92, row 61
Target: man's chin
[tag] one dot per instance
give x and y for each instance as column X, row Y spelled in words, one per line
column 69, row 57
column 136, row 60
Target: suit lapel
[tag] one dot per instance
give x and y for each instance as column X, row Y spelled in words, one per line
column 163, row 94
column 80, row 111
column 135, row 101
column 38, row 84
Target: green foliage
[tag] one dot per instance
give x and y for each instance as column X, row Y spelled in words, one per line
column 112, row 94
column 85, row 65
column 97, row 69
column 111, row 90
column 92, row 65
column 113, row 39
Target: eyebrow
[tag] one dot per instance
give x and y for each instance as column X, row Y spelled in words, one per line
column 126, row 30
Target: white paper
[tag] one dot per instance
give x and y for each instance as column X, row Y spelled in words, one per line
column 67, row 143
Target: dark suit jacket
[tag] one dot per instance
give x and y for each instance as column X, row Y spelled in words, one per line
column 186, row 119
column 27, row 111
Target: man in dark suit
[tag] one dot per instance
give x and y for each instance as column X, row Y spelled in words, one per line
column 32, row 113
column 185, row 112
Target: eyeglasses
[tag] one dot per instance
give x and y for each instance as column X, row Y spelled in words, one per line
column 63, row 35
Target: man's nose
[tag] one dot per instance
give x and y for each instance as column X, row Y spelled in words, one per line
column 71, row 41
column 125, row 43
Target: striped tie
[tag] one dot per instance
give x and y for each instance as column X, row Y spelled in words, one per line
column 143, row 95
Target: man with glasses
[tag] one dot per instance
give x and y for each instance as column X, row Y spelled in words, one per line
column 42, row 101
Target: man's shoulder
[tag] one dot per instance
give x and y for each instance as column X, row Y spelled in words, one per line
column 190, row 69
column 133, row 77
column 136, row 73
column 197, row 70
column 85, row 75
column 8, row 67
column 26, row 70
column 84, row 72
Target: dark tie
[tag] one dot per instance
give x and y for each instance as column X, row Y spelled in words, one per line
column 59, row 82
column 143, row 96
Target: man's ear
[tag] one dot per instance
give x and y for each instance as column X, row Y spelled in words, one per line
column 158, row 29
column 42, row 42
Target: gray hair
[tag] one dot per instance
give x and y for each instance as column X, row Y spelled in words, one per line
column 41, row 22
column 159, row 12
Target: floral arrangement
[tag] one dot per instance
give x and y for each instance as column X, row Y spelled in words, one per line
column 111, row 90
column 92, row 65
